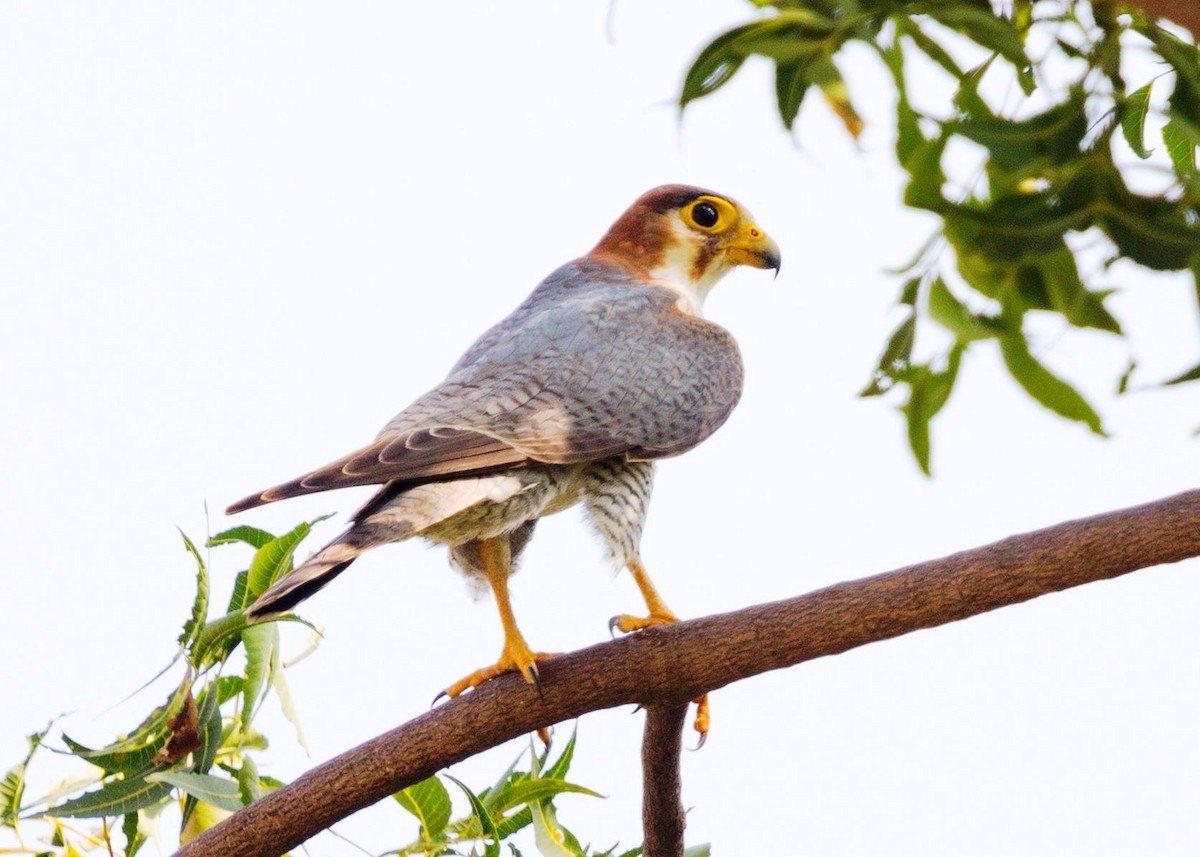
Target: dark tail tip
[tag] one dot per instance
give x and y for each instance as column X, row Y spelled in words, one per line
column 281, row 599
column 246, row 503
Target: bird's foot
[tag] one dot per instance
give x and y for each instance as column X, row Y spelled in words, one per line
column 517, row 657
column 700, row 724
column 627, row 624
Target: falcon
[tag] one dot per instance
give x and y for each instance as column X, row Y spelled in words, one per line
column 605, row 368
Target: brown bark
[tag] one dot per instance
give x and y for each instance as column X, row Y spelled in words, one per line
column 1185, row 13
column 663, row 818
column 676, row 663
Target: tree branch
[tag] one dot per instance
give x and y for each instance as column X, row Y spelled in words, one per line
column 663, row 819
column 1185, row 13
column 676, row 663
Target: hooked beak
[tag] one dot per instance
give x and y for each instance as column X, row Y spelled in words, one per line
column 755, row 248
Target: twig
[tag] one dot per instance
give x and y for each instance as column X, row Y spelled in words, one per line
column 680, row 662
column 662, row 810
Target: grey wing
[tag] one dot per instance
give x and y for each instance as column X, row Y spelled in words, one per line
column 583, row 370
column 599, row 372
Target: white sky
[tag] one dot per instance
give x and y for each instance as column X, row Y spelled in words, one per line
column 237, row 238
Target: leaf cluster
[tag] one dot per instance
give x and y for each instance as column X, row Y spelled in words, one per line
column 517, row 800
column 1054, row 169
column 198, row 747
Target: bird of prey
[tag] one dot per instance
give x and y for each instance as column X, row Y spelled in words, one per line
column 606, row 367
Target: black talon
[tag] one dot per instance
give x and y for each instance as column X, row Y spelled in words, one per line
column 537, row 680
column 700, row 743
column 441, row 693
column 612, row 626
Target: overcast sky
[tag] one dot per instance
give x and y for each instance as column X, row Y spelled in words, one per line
column 238, row 237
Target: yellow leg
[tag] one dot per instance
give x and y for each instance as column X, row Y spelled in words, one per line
column 516, row 654
column 659, row 614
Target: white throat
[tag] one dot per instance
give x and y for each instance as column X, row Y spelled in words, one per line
column 675, row 273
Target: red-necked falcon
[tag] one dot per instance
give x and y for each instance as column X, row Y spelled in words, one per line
column 606, row 367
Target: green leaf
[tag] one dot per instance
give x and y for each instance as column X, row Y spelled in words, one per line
column 1045, row 387
column 228, row 686
column 1184, row 59
column 250, row 786
column 1052, row 136
column 216, row 640
column 493, row 796
column 273, row 560
column 517, row 821
column 1133, row 119
column 895, row 357
column 1154, row 232
column 551, row 839
column 924, row 166
column 259, row 642
column 563, row 763
column 119, row 797
column 917, row 415
column 134, row 838
column 1192, row 374
column 252, row 536
column 824, row 73
column 191, row 628
column 1180, row 146
column 208, row 723
column 928, row 392
column 125, row 762
column 946, row 310
column 714, row 66
column 123, row 755
column 791, row 83
column 484, row 818
column 967, row 100
column 12, row 787
column 534, row 790
column 788, row 36
column 203, row 816
column 942, row 382
column 429, row 801
column 221, row 792
column 704, row 850
column 928, row 46
column 1069, row 296
column 1127, row 375
column 237, row 599
column 910, row 291
column 908, row 128
column 984, row 27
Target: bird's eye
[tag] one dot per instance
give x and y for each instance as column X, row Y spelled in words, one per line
column 705, row 214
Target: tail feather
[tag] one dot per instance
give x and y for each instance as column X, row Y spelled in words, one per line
column 306, row 579
column 392, row 516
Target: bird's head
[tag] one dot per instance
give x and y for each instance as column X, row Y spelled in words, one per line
column 686, row 238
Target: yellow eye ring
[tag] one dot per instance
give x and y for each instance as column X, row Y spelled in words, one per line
column 710, row 214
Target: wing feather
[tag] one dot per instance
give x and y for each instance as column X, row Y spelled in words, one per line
column 586, row 368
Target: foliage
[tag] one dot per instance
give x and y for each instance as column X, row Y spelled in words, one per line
column 517, row 800
column 1029, row 168
column 197, row 748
